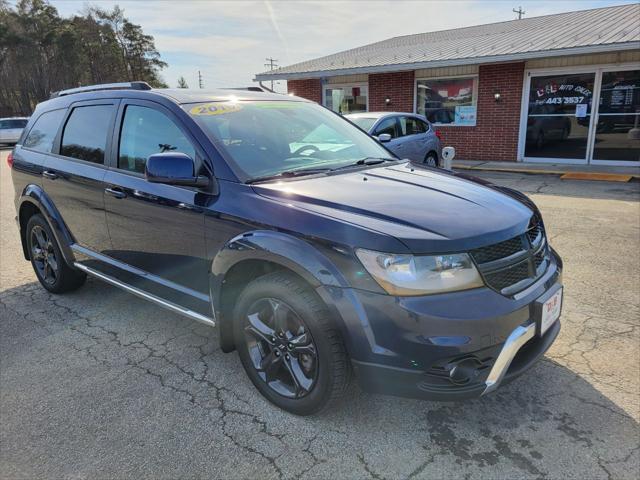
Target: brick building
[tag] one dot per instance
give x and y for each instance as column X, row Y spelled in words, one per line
column 556, row 88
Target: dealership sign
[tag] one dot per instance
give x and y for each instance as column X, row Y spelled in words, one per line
column 564, row 94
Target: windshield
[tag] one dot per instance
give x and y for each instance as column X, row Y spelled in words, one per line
column 264, row 138
column 364, row 123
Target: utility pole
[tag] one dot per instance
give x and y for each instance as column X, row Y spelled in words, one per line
column 520, row 12
column 199, row 79
column 272, row 65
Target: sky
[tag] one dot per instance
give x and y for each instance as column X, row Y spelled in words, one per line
column 229, row 41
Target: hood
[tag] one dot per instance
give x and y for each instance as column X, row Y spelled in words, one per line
column 427, row 210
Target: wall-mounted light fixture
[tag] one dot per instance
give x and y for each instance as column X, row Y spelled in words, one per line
column 387, row 101
column 496, row 96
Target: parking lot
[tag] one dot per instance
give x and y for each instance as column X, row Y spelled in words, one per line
column 100, row 384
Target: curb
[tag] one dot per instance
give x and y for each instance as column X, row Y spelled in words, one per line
column 565, row 175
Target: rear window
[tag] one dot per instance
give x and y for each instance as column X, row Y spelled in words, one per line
column 44, row 131
column 13, row 123
column 365, row 123
column 85, row 134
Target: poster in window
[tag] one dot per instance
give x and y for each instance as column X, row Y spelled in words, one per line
column 465, row 115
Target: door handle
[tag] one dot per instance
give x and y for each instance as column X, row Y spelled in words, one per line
column 115, row 192
column 49, row 174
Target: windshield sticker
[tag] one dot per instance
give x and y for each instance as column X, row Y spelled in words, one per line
column 216, row 108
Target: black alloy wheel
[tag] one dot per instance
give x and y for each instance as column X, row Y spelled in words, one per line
column 44, row 256
column 289, row 344
column 44, row 252
column 281, row 348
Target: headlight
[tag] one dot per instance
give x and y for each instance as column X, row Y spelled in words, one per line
column 406, row 275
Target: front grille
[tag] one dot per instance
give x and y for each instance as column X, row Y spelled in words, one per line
column 498, row 251
column 534, row 232
column 512, row 265
column 504, row 278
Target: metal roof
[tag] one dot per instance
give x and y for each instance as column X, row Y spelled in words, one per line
column 586, row 31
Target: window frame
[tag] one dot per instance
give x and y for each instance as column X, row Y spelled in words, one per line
column 396, row 122
column 57, row 142
column 344, row 85
column 474, row 97
column 117, row 133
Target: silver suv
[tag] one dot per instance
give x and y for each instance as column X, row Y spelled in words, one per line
column 406, row 134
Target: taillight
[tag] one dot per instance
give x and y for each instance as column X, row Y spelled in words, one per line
column 439, row 134
column 10, row 159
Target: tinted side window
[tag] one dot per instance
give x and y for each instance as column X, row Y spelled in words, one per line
column 146, row 131
column 43, row 132
column 411, row 126
column 388, row 125
column 85, row 134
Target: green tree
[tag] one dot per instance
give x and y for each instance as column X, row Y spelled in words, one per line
column 41, row 52
column 182, row 83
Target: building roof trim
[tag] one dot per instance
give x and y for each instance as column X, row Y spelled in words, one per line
column 508, row 58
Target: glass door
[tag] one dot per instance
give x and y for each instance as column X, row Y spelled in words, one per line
column 617, row 131
column 559, row 117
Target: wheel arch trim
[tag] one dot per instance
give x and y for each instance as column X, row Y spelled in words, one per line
column 37, row 197
column 281, row 249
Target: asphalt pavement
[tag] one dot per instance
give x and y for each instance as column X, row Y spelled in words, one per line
column 98, row 384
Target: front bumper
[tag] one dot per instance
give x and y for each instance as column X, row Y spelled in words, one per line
column 451, row 346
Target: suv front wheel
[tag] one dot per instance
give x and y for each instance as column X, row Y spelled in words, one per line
column 288, row 345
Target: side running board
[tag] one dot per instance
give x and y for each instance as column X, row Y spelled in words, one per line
column 147, row 296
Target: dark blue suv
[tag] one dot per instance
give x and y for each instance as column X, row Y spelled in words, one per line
column 315, row 251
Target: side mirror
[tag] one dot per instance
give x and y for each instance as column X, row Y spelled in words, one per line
column 173, row 168
column 384, row 138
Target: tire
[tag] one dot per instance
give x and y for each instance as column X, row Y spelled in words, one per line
column 46, row 258
column 302, row 373
column 431, row 159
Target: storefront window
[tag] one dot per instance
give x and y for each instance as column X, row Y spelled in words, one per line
column 618, row 124
column 447, row 100
column 559, row 115
column 346, row 99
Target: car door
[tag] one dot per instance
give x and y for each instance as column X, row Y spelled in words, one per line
column 389, row 126
column 73, row 173
column 157, row 230
column 427, row 141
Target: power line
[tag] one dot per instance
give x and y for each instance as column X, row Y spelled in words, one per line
column 520, row 12
column 272, row 65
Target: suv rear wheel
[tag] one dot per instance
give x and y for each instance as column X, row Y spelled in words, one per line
column 288, row 345
column 46, row 258
column 431, row 159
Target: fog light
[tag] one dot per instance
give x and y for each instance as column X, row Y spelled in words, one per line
column 464, row 371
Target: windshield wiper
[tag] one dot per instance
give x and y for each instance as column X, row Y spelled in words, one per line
column 289, row 174
column 366, row 161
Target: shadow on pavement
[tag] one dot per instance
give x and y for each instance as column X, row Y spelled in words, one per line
column 70, row 363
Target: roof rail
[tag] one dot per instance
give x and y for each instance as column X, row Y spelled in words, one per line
column 104, row 86
column 248, row 89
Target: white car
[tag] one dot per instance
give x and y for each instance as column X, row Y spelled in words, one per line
column 11, row 129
